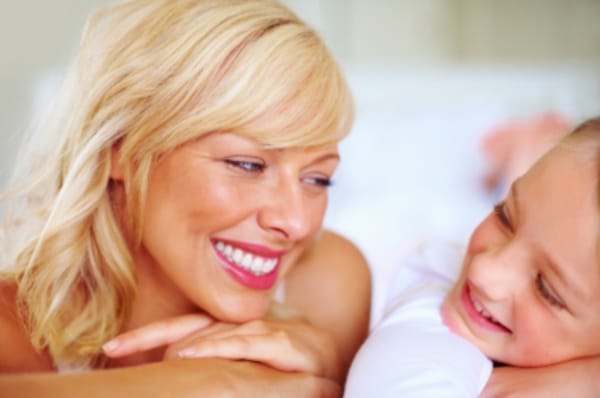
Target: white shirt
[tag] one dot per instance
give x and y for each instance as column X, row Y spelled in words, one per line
column 410, row 352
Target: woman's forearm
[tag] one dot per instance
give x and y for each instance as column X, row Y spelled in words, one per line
column 184, row 378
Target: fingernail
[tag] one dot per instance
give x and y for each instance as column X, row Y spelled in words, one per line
column 110, row 345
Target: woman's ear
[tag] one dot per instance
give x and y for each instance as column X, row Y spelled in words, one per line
column 116, row 168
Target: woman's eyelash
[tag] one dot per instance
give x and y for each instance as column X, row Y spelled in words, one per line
column 245, row 165
column 546, row 293
column 320, row 181
column 257, row 167
column 500, row 212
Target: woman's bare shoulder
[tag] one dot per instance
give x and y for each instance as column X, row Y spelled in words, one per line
column 334, row 250
column 334, row 253
column 16, row 352
column 331, row 286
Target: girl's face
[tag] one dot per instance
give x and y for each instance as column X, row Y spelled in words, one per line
column 529, row 292
column 225, row 219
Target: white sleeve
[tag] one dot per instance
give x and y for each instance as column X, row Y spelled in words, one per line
column 395, row 362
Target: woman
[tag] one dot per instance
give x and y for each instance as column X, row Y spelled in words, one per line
column 176, row 191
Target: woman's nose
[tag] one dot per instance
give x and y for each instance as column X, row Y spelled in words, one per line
column 287, row 212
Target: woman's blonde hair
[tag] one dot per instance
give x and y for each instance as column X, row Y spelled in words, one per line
column 150, row 75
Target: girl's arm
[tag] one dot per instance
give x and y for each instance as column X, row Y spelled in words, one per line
column 578, row 378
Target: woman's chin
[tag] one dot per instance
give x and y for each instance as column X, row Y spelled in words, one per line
column 242, row 312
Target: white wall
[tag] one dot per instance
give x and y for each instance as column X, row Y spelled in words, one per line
column 449, row 31
column 38, row 36
column 36, row 39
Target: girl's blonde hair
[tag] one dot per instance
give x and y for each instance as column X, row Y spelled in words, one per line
column 150, row 75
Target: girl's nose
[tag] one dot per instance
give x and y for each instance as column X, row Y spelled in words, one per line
column 497, row 272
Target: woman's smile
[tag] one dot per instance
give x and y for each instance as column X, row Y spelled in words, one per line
column 252, row 265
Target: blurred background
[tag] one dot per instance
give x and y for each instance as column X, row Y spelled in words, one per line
column 430, row 77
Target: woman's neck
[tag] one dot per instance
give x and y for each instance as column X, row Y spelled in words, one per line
column 157, row 299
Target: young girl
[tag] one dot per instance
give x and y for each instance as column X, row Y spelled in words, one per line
column 175, row 192
column 527, row 293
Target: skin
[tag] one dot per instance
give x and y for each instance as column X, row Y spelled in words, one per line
column 532, row 265
column 227, row 188
column 193, row 378
column 224, row 187
column 577, row 378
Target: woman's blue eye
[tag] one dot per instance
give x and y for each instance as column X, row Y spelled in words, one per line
column 245, row 165
column 319, row 181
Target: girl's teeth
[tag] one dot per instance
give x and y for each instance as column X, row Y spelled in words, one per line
column 479, row 308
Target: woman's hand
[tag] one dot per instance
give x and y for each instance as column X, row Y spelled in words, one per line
column 579, row 378
column 289, row 344
column 156, row 334
column 282, row 341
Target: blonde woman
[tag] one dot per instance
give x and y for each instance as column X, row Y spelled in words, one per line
column 171, row 208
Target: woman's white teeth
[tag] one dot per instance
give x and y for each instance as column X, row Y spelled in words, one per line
column 255, row 264
column 237, row 256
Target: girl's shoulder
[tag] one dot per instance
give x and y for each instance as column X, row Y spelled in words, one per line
column 16, row 351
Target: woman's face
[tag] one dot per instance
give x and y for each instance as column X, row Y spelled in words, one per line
column 225, row 219
column 529, row 293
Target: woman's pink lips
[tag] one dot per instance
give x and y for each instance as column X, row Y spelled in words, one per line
column 475, row 316
column 259, row 250
column 244, row 276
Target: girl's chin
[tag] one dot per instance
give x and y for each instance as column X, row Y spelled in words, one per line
column 449, row 318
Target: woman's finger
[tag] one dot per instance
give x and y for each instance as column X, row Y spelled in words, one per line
column 274, row 349
column 218, row 330
column 156, row 334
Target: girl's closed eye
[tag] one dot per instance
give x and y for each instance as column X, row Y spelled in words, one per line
column 500, row 212
column 246, row 165
column 547, row 293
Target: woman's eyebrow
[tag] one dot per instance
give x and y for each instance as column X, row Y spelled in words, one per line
column 328, row 156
